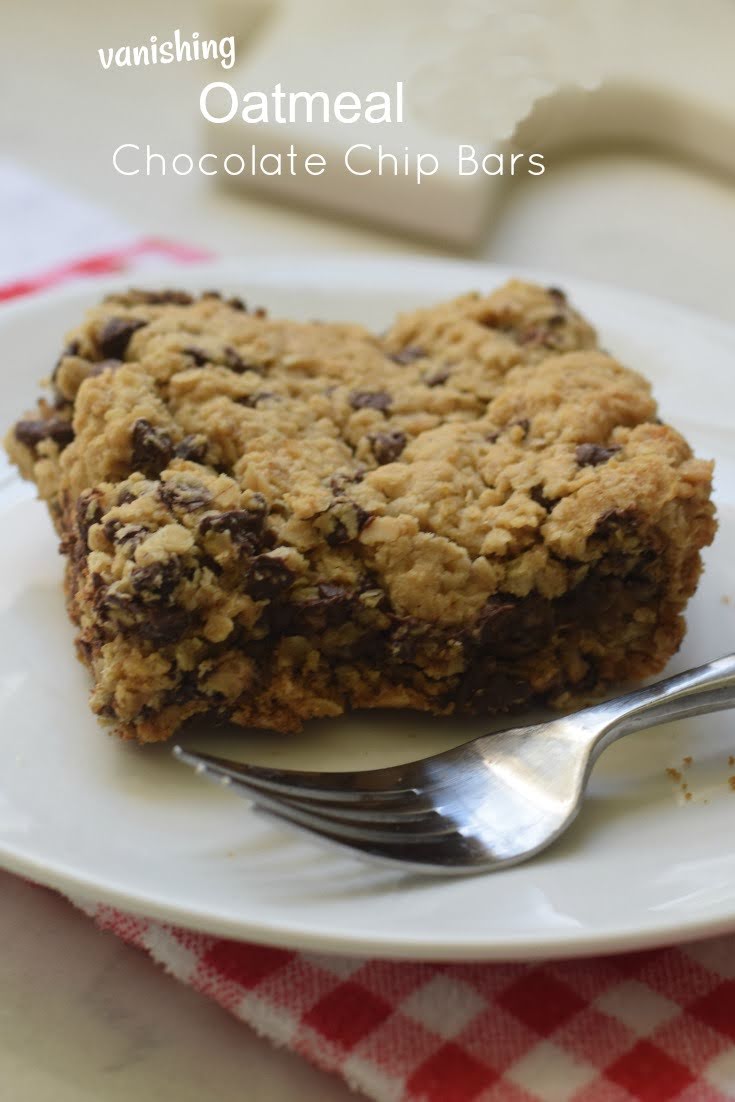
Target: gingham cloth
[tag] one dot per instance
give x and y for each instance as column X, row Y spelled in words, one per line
column 649, row 1026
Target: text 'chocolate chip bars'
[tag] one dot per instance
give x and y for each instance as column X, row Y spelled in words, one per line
column 266, row 521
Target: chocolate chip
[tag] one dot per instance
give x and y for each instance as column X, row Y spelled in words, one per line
column 407, row 355
column 126, row 535
column 115, row 336
column 235, row 362
column 192, row 447
column 186, row 689
column 589, row 681
column 280, row 618
column 557, row 294
column 245, row 527
column 492, row 437
column 613, row 519
column 547, row 503
column 592, row 455
column 485, row 689
column 370, row 399
column 210, row 563
column 183, row 496
column 339, row 482
column 524, row 424
column 369, row 646
column 199, row 357
column 331, row 608
column 31, row 433
column 509, row 627
column 89, row 512
column 229, row 357
column 71, row 349
column 387, row 446
column 498, row 616
column 341, row 522
column 165, row 625
column 268, row 578
column 437, row 379
column 157, row 580
column 152, row 448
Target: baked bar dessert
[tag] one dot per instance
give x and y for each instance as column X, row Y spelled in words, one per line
column 268, row 521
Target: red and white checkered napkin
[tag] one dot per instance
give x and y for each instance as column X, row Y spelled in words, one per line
column 649, row 1026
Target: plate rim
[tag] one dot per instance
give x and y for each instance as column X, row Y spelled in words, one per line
column 80, row 891
column 278, row 263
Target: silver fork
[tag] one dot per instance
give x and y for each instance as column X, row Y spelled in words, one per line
column 491, row 802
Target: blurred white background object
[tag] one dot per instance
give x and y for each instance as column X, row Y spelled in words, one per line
column 541, row 75
column 610, row 211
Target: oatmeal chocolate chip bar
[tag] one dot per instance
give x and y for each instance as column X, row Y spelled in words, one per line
column 267, row 521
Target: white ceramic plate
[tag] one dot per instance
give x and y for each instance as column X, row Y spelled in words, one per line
column 85, row 813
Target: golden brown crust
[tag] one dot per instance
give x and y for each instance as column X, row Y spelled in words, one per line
column 272, row 521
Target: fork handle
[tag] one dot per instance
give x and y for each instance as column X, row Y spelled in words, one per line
column 708, row 688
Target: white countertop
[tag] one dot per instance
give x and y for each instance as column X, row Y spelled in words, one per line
column 83, row 1017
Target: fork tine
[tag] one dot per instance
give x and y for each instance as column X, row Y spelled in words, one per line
column 447, row 854
column 335, row 825
column 406, row 820
column 324, row 818
column 337, row 788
